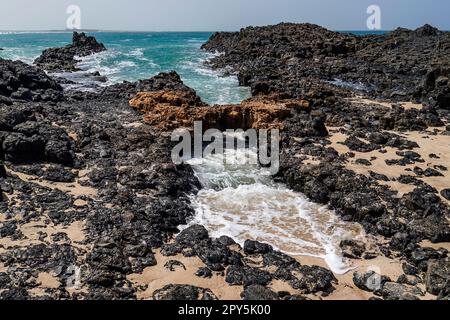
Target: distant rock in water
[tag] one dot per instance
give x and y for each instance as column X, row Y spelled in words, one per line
column 63, row 59
column 20, row 81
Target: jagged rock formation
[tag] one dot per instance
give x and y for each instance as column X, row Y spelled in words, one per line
column 63, row 59
column 401, row 65
column 19, row 81
column 169, row 110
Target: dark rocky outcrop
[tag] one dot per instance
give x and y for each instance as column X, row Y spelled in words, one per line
column 257, row 292
column 63, row 59
column 438, row 277
column 369, row 281
column 20, row 81
column 446, row 193
column 352, row 249
column 399, row 65
column 169, row 110
column 126, row 211
column 183, row 292
column 246, row 276
column 397, row 291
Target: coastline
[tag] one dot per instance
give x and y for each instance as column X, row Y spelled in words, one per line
column 111, row 176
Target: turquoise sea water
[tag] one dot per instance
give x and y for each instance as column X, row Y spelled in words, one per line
column 134, row 56
column 138, row 55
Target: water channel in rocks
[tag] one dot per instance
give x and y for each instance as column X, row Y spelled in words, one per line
column 242, row 201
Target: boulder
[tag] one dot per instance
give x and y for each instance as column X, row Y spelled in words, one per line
column 309, row 279
column 397, row 291
column 257, row 292
column 20, row 81
column 437, row 277
column 352, row 249
column 183, row 292
column 446, row 193
column 246, row 276
column 369, row 281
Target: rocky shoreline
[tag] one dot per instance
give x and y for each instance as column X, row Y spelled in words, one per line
column 65, row 58
column 91, row 201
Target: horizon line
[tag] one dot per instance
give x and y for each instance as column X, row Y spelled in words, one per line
column 143, row 31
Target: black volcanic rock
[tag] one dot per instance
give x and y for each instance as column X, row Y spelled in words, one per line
column 243, row 275
column 257, row 292
column 446, row 193
column 63, row 59
column 400, row 65
column 20, row 81
column 131, row 169
column 438, row 277
column 163, row 81
column 255, row 247
column 183, row 293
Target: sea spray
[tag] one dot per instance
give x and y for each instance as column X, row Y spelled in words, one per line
column 242, row 201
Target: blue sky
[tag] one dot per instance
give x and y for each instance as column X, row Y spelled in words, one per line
column 212, row 15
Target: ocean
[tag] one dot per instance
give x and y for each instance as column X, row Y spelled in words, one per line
column 134, row 56
column 139, row 55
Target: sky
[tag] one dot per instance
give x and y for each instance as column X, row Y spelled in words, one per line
column 219, row 15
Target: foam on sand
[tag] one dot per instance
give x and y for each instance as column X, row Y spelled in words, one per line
column 241, row 201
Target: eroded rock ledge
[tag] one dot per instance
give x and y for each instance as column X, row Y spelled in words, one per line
column 169, row 110
column 20, row 81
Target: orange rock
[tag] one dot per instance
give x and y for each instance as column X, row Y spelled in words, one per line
column 169, row 110
column 146, row 101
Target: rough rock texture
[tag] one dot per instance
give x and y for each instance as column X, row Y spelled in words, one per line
column 352, row 249
column 104, row 180
column 257, row 292
column 166, row 81
column 99, row 191
column 282, row 59
column 183, row 292
column 19, row 81
column 397, row 291
column 369, row 281
column 63, row 59
column 438, row 277
column 168, row 110
column 328, row 70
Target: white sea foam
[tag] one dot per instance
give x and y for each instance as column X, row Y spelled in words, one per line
column 126, row 64
column 125, row 60
column 99, row 62
column 14, row 53
column 138, row 52
column 220, row 88
column 242, row 201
